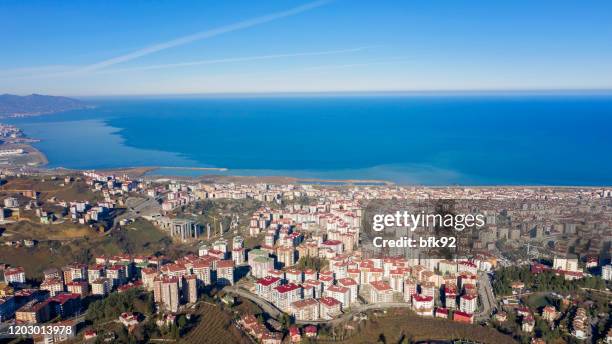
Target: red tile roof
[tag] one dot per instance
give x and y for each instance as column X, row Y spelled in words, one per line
column 268, row 280
column 287, row 287
column 329, row 301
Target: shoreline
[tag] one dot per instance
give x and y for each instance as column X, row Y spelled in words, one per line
column 33, row 158
column 141, row 172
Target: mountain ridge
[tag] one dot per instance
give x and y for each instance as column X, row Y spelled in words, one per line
column 36, row 104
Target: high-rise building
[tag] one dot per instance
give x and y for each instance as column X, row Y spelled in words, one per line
column 468, row 303
column 190, row 288
column 285, row 255
column 166, row 292
column 101, row 286
column 225, row 272
column 606, row 272
column 380, row 291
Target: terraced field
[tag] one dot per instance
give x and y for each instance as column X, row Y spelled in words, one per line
column 215, row 326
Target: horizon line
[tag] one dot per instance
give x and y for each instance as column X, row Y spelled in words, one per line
column 424, row 92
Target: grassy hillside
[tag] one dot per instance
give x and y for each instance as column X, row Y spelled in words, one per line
column 140, row 237
column 215, row 326
column 401, row 325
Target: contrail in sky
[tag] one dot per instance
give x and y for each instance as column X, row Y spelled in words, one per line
column 237, row 59
column 202, row 35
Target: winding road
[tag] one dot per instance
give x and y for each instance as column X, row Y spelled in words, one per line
column 485, row 291
column 487, row 298
column 275, row 312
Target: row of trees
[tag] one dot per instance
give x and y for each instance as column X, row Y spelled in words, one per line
column 132, row 300
column 545, row 281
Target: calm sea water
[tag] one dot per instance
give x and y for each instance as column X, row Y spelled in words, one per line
column 435, row 140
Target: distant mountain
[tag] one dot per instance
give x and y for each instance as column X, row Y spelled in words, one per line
column 36, row 104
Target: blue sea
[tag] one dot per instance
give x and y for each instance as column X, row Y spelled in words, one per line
column 515, row 139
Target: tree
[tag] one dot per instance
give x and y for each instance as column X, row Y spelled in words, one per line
column 182, row 322
column 311, row 263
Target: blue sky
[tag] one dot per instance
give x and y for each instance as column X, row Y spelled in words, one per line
column 169, row 47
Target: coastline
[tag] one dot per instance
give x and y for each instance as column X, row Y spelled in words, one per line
column 17, row 150
column 35, row 158
column 38, row 160
column 417, row 175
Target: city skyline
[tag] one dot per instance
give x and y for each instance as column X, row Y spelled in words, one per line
column 95, row 48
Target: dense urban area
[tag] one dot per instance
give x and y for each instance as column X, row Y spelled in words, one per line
column 129, row 259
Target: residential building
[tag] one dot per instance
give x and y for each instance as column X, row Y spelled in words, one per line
column 342, row 294
column 305, row 310
column 380, row 291
column 284, row 295
column 423, row 305
column 225, row 272
column 329, row 308
column 468, row 303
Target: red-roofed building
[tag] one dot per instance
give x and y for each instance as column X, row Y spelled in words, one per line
column 329, row 308
column 166, row 292
column 264, row 286
column 442, row 312
column 352, row 285
column 380, row 291
column 216, row 253
column 307, row 309
column 310, row 274
column 423, row 305
column 284, row 295
column 450, row 296
column 468, row 303
column 129, row 320
column 294, row 334
column 374, row 274
column 310, row 331
column 342, row 294
column 148, row 275
column 53, row 285
column 80, row 287
column 202, row 268
column 65, row 305
column 277, row 273
column 470, row 289
column 225, row 272
column 14, row 275
column 89, row 334
column 95, row 271
column 326, row 280
column 354, row 273
column 463, row 317
column 116, row 274
column 294, row 275
column 410, row 288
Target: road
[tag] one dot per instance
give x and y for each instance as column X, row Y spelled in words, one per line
column 487, row 298
column 275, row 312
column 354, row 310
column 265, row 305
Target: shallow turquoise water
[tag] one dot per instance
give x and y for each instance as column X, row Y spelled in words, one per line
column 481, row 140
